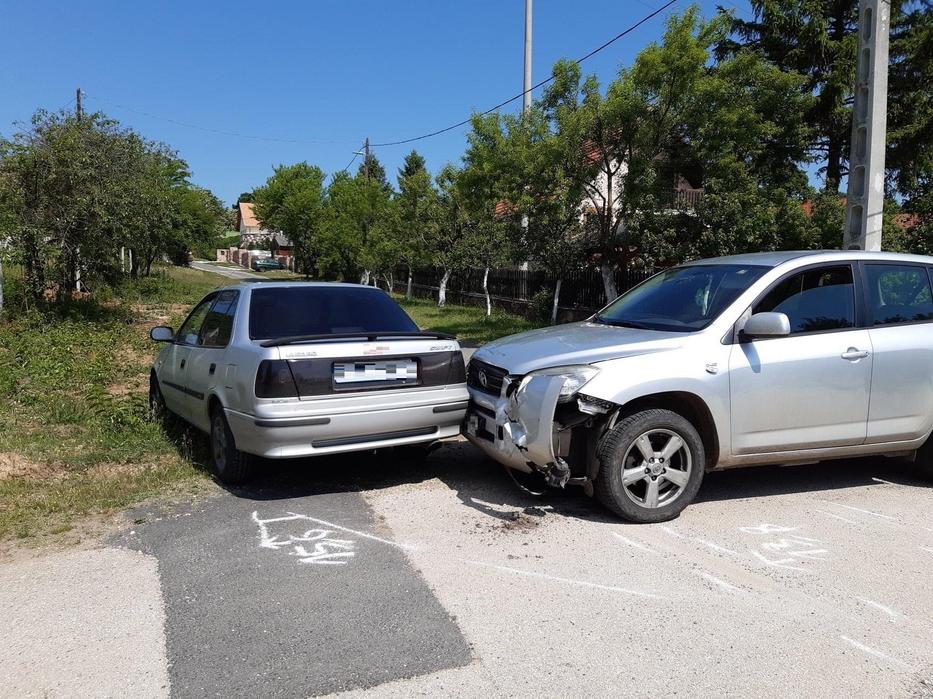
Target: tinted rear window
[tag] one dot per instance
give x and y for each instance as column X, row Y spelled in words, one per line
column 317, row 310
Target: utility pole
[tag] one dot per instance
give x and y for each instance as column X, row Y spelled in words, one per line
column 865, row 195
column 526, row 101
column 78, row 110
column 366, row 158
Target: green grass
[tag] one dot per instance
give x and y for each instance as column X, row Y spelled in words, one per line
column 75, row 435
column 468, row 323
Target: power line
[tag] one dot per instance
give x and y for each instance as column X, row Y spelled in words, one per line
column 534, row 87
column 221, row 132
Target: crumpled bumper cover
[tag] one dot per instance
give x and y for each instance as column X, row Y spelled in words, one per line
column 516, row 430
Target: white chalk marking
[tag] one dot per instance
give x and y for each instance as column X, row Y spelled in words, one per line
column 881, row 480
column 925, row 548
column 877, row 605
column 554, row 578
column 844, row 519
column 716, row 581
column 767, row 529
column 780, row 563
column 407, row 547
column 715, row 547
column 631, row 542
column 877, row 653
column 859, row 509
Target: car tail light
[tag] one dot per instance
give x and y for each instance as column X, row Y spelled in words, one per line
column 274, row 380
column 457, row 369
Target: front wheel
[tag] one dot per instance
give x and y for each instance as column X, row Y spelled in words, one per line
column 231, row 466
column 651, row 466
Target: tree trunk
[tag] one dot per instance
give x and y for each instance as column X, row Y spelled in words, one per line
column 364, row 279
column 408, row 287
column 833, row 164
column 609, row 282
column 442, row 290
column 556, row 301
column 1, row 288
column 486, row 291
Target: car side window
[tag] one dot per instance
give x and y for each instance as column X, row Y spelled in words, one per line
column 816, row 299
column 218, row 324
column 898, row 294
column 190, row 330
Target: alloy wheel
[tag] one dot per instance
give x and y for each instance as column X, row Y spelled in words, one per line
column 656, row 468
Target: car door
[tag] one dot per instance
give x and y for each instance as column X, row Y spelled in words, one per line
column 810, row 389
column 173, row 372
column 899, row 307
column 205, row 361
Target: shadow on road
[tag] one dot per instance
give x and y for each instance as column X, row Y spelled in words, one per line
column 483, row 485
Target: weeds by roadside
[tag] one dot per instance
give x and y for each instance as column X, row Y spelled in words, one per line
column 468, row 323
column 75, row 435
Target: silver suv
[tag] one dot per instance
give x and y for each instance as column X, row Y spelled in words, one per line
column 786, row 357
column 293, row 369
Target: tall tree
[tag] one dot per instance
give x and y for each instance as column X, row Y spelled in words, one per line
column 415, row 213
column 449, row 239
column 292, row 201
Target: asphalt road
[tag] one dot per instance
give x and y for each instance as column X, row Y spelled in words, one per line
column 808, row 580
column 239, row 273
column 267, row 595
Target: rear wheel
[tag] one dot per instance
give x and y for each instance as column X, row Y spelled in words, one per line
column 157, row 409
column 651, row 466
column 231, row 466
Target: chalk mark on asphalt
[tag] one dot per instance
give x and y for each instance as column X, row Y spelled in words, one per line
column 633, row 543
column 839, row 517
column 718, row 581
column 875, row 652
column 877, row 605
column 568, row 581
column 710, row 544
column 326, row 549
column 864, row 512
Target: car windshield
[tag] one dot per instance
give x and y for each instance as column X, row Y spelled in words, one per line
column 293, row 311
column 682, row 299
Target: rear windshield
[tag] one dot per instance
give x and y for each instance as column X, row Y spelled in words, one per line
column 318, row 310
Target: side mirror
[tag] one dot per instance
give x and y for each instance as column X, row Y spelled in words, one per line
column 162, row 333
column 767, row 325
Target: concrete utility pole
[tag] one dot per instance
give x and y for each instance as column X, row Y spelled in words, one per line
column 526, row 100
column 78, row 110
column 366, row 158
column 865, row 196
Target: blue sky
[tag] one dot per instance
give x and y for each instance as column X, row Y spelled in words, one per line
column 323, row 71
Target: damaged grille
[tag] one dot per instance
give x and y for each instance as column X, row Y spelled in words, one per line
column 485, row 377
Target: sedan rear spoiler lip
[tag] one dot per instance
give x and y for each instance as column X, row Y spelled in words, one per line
column 346, row 337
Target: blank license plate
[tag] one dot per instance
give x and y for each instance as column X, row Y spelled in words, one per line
column 394, row 371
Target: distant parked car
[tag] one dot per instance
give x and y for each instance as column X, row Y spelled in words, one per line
column 786, row 357
column 264, row 264
column 290, row 369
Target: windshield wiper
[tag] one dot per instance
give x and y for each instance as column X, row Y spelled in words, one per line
column 621, row 323
column 343, row 337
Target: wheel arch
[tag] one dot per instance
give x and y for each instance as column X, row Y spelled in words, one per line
column 692, row 407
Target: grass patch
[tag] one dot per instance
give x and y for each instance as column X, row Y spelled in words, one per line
column 468, row 323
column 75, row 435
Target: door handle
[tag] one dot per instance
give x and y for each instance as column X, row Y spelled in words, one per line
column 853, row 354
column 211, row 370
column 182, row 365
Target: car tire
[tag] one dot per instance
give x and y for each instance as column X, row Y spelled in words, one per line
column 158, row 411
column 230, row 465
column 647, row 492
column 924, row 459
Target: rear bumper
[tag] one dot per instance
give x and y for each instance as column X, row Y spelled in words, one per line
column 315, row 434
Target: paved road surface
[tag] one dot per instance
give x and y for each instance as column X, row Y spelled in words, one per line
column 232, row 272
column 811, row 580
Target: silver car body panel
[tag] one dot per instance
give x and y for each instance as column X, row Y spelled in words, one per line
column 291, row 427
column 785, row 400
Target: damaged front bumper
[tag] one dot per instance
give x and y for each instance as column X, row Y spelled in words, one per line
column 519, row 428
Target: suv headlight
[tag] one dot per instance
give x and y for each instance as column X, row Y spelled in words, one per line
column 575, row 377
